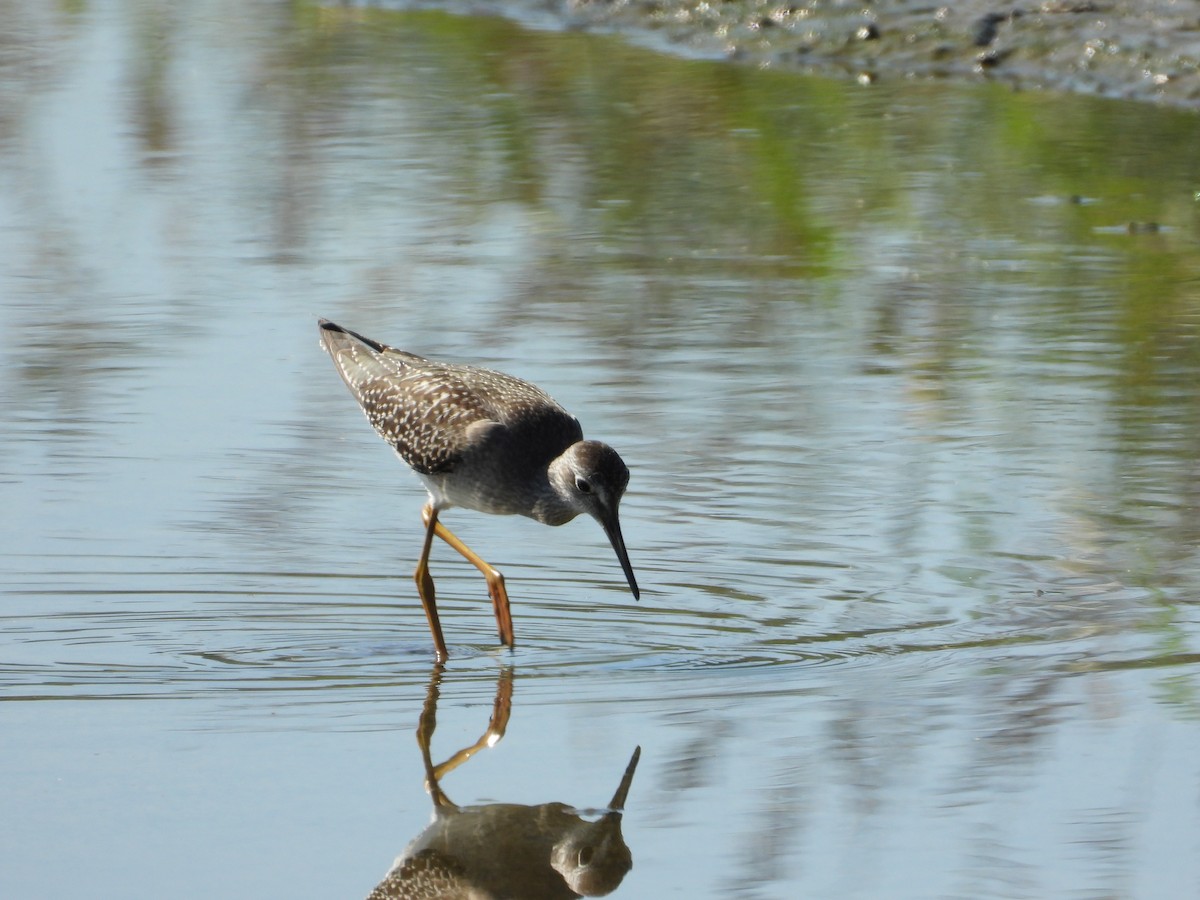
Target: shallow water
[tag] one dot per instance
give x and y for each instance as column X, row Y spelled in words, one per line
column 910, row 408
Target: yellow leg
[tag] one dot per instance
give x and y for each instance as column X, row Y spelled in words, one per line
column 495, row 581
column 425, row 584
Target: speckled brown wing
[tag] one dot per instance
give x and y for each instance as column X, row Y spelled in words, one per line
column 434, row 413
column 427, row 876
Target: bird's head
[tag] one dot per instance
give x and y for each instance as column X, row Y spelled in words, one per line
column 590, row 477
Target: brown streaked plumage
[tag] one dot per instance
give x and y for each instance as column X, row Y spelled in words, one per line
column 506, row 851
column 481, row 440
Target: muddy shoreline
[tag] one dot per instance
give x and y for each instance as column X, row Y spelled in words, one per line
column 1146, row 50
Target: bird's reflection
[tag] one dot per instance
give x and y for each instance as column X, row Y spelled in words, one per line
column 505, row 850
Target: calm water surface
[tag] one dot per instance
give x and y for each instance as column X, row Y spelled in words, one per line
column 911, row 411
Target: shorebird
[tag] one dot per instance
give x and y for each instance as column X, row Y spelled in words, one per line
column 481, row 440
column 501, row 851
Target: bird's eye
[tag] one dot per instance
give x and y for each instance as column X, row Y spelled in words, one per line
column 583, row 485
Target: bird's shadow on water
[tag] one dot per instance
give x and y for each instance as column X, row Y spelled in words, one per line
column 543, row 852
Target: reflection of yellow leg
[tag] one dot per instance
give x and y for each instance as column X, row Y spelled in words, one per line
column 425, row 728
column 495, row 581
column 501, row 710
column 425, row 584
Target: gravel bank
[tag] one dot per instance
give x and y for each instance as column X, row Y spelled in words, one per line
column 1146, row 50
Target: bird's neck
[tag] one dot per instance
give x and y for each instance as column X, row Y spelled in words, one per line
column 552, row 509
column 553, row 505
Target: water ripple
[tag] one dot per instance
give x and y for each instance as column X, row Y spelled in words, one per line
column 162, row 634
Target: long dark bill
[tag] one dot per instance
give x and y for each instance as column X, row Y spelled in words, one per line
column 618, row 801
column 612, row 527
